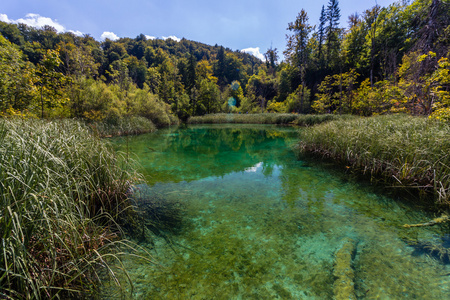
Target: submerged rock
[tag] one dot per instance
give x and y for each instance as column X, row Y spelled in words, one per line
column 343, row 271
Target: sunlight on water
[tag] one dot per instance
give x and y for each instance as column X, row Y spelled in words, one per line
column 259, row 224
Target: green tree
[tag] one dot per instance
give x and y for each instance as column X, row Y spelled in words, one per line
column 295, row 101
column 17, row 89
column 321, row 35
column 271, row 57
column 208, row 98
column 51, row 83
column 261, row 89
column 332, row 31
column 336, row 93
column 297, row 50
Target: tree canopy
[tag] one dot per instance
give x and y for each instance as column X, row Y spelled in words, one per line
column 387, row 59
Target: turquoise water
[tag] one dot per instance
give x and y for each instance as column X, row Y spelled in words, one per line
column 257, row 223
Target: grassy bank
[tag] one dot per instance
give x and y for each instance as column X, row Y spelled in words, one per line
column 62, row 194
column 266, row 118
column 405, row 151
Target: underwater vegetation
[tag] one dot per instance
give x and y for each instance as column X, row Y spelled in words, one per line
column 438, row 249
column 343, row 271
column 156, row 212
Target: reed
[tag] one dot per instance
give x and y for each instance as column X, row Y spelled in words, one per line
column 63, row 193
column 405, row 151
column 123, row 126
column 265, row 118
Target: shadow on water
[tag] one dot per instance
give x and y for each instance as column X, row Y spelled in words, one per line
column 253, row 222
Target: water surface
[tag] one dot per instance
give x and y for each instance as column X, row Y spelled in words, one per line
column 260, row 224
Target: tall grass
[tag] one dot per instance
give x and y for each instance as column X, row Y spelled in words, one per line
column 311, row 120
column 123, row 126
column 265, row 118
column 62, row 194
column 406, row 151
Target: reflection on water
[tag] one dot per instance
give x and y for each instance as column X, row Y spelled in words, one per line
column 260, row 224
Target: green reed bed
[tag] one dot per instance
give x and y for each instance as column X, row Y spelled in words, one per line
column 405, row 151
column 123, row 126
column 265, row 118
column 311, row 120
column 62, row 194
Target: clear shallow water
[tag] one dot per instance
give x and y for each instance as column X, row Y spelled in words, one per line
column 260, row 224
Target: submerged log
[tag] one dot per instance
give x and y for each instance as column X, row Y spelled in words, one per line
column 442, row 219
column 343, row 271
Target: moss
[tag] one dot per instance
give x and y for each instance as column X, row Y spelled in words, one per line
column 282, row 293
column 343, row 271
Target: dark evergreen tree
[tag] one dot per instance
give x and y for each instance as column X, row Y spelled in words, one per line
column 321, row 33
column 333, row 14
column 220, row 67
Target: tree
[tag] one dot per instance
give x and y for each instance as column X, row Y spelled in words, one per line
column 333, row 14
column 220, row 67
column 208, row 98
column 296, row 48
column 51, row 82
column 17, row 89
column 295, row 101
column 77, row 60
column 260, row 89
column 371, row 19
column 271, row 57
column 297, row 51
column 336, row 93
column 321, row 34
column 191, row 76
column 439, row 82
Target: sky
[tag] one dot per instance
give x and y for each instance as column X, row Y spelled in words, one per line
column 251, row 26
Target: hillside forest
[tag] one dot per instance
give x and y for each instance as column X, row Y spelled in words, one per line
column 386, row 59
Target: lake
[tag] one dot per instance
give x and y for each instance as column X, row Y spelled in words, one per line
column 256, row 222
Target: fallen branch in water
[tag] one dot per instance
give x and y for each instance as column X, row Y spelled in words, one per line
column 442, row 219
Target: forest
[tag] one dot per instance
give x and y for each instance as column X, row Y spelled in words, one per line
column 384, row 60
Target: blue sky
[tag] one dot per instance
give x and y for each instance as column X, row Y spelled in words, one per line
column 255, row 25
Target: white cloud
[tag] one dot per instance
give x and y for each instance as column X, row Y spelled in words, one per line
column 109, row 35
column 38, row 21
column 76, row 32
column 254, row 51
column 149, row 37
column 4, row 18
column 172, row 37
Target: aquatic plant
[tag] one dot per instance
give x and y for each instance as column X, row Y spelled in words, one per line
column 159, row 214
column 343, row 271
column 403, row 151
column 62, row 195
column 434, row 249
